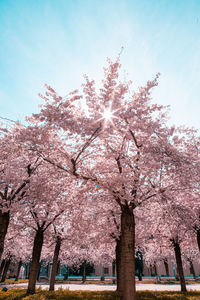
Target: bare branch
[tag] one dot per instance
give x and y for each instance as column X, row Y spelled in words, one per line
column 135, row 140
column 90, row 140
column 56, row 216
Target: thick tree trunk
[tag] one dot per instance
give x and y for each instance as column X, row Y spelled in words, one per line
column 37, row 248
column 179, row 264
column 119, row 268
column 128, row 253
column 55, row 264
column 166, row 267
column 18, row 270
column 4, row 222
column 198, row 238
column 5, row 271
column 2, row 266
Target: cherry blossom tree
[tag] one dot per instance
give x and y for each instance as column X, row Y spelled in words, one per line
column 16, row 248
column 46, row 200
column 117, row 140
column 16, row 168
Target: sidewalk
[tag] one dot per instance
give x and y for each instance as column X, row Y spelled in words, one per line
column 107, row 287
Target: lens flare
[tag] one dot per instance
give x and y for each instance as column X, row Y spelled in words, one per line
column 107, row 114
column 96, row 187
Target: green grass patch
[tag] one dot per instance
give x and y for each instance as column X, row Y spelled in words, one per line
column 19, row 294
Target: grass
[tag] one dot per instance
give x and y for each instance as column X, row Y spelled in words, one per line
column 12, row 281
column 19, row 294
column 149, row 281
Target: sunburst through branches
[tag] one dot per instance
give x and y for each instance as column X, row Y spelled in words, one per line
column 108, row 115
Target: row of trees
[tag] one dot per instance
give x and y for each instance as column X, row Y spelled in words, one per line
column 146, row 174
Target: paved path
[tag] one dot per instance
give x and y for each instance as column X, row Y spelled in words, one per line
column 110, row 287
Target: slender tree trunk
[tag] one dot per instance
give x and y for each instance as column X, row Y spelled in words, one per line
column 4, row 222
column 55, row 263
column 37, row 248
column 48, row 268
column 166, row 267
column 38, row 274
column 113, row 270
column 151, row 270
column 18, row 270
column 58, row 268
column 192, row 271
column 102, row 273
column 5, row 271
column 155, row 269
column 84, row 272
column 198, row 238
column 2, row 266
column 128, row 252
column 179, row 264
column 27, row 269
column 119, row 267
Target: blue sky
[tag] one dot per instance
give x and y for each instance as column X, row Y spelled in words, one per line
column 57, row 41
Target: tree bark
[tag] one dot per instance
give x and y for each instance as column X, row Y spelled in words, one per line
column 128, row 252
column 2, row 266
column 119, row 268
column 58, row 268
column 4, row 222
column 179, row 264
column 155, row 269
column 55, row 264
column 27, row 270
column 198, row 238
column 192, row 271
column 5, row 271
column 151, row 270
column 84, row 272
column 18, row 270
column 37, row 248
column 113, row 270
column 38, row 274
column 166, row 267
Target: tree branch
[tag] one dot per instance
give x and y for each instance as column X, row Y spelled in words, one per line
column 56, row 216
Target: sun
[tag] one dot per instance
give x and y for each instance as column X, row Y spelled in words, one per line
column 107, row 114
